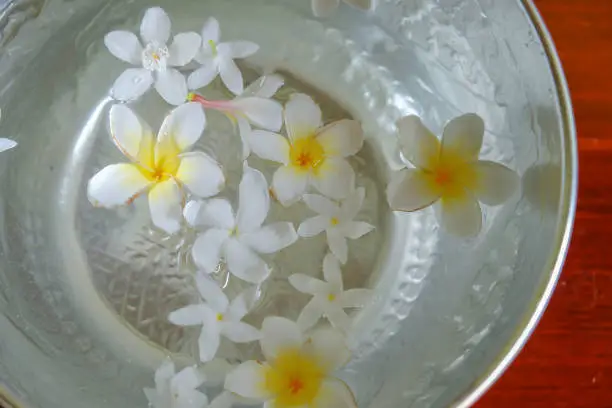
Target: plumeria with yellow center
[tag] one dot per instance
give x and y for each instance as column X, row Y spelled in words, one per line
column 238, row 238
column 298, row 369
column 217, row 58
column 450, row 173
column 313, row 154
column 176, row 390
column 217, row 316
column 329, row 297
column 324, row 8
column 157, row 59
column 165, row 168
column 337, row 220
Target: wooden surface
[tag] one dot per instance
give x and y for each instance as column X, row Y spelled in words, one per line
column 568, row 361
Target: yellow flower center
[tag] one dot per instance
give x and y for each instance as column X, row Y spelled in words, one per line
column 452, row 177
column 213, row 47
column 295, row 379
column 219, row 317
column 306, row 153
column 331, row 297
column 335, row 221
column 161, row 164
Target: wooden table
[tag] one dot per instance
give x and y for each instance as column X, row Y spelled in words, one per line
column 568, row 361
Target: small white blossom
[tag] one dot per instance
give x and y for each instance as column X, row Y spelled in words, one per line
column 336, row 220
column 176, row 390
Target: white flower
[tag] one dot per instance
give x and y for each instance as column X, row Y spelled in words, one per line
column 449, row 172
column 6, row 144
column 218, row 58
column 324, row 8
column 312, row 154
column 336, row 220
column 329, row 297
column 215, row 372
column 162, row 167
column 218, row 317
column 239, row 238
column 176, row 390
column 297, row 369
column 156, row 58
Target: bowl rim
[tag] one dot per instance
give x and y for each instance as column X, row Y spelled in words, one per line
column 567, row 211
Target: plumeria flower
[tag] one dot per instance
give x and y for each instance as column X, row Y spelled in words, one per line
column 312, row 154
column 176, row 390
column 336, row 220
column 217, row 316
column 329, row 297
column 297, row 369
column 6, row 144
column 156, row 58
column 449, row 172
column 218, row 58
column 163, row 167
column 324, row 8
column 239, row 238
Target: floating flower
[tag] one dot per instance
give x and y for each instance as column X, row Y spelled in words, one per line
column 312, row 155
column 176, row 390
column 215, row 373
column 239, row 238
column 297, row 369
column 218, row 317
column 324, row 8
column 449, row 172
column 329, row 297
column 336, row 220
column 163, row 167
column 156, row 58
column 6, row 144
column 218, row 58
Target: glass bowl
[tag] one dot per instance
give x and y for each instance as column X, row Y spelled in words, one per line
column 84, row 292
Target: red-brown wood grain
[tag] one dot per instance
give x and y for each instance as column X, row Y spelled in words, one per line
column 568, row 361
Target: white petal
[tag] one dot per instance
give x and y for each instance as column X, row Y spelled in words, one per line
column 124, row 45
column 191, row 399
column 126, row 130
column 338, row 318
column 208, row 342
column 207, row 248
column 410, row 190
column 116, row 185
column 265, row 86
column 132, row 84
column 231, row 75
column 321, row 205
column 335, row 178
column 263, row 113
column 271, row 238
column 165, row 205
column 191, row 211
column 155, row 26
column 172, row 86
column 329, row 345
column 269, row 146
column 183, row 49
column 342, row 138
column 313, row 226
column 355, row 298
column 203, row 75
column 289, row 185
column 302, row 116
column 245, row 130
column 187, row 379
column 211, row 31
column 201, row 174
column 463, row 137
column 279, row 334
column 253, row 201
column 242, row 304
column 332, row 273
column 352, row 204
column 337, row 244
column 152, row 397
column 417, row 143
column 462, row 216
column 238, row 49
column 248, row 380
column 308, row 284
column 215, row 371
column 362, row 4
column 6, row 144
column 192, row 315
column 356, row 229
column 239, row 332
column 244, row 263
column 324, row 8
column 310, row 314
column 496, row 183
column 212, row 293
column 164, row 373
column 216, row 213
column 223, row 400
column 335, row 393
